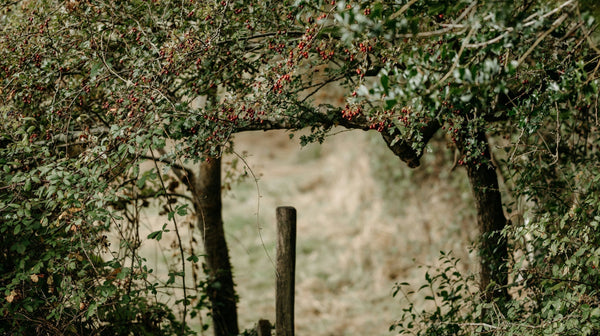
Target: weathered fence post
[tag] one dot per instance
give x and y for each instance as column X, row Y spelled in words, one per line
column 286, row 270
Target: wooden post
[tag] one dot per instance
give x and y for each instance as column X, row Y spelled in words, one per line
column 286, row 265
column 263, row 328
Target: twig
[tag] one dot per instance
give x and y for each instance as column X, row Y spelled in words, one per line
column 488, row 42
column 87, row 256
column 162, row 182
column 321, row 85
column 402, row 9
column 258, row 36
column 530, row 20
column 109, row 68
column 454, row 65
column 258, row 196
column 176, row 167
column 476, row 324
column 555, row 24
column 516, row 145
column 557, row 134
column 143, row 197
column 448, row 27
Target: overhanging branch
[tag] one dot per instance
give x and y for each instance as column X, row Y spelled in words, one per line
column 402, row 148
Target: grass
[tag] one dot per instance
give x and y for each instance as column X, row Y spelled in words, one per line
column 365, row 222
column 352, row 247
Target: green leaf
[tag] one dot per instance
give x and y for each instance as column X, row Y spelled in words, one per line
column 141, row 182
column 91, row 309
column 384, row 83
column 193, row 258
column 390, row 103
column 182, row 210
column 19, row 247
column 124, row 272
column 171, row 279
column 466, row 97
column 156, row 235
column 96, row 67
column 28, row 307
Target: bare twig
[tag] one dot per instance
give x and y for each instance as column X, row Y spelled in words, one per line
column 162, row 182
column 321, row 85
column 480, row 324
column 488, row 42
column 529, row 21
column 516, row 145
column 185, row 178
column 555, row 24
column 258, row 196
column 447, row 27
column 402, row 9
column 454, row 65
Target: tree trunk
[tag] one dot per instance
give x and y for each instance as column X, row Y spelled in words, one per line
column 493, row 248
column 208, row 206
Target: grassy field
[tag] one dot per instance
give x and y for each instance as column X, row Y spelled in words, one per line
column 365, row 222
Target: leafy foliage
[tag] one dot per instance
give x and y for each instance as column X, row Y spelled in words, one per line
column 89, row 89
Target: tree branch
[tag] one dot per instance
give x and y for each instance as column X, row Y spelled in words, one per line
column 555, row 24
column 404, row 149
column 173, row 165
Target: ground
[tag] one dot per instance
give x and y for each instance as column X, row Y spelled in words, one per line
column 365, row 222
column 355, row 241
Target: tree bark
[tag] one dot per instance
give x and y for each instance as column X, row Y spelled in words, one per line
column 493, row 249
column 404, row 149
column 208, row 206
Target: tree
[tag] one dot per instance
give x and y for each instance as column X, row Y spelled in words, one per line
column 210, row 222
column 88, row 88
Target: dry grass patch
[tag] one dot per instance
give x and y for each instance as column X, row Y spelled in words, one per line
column 351, row 248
